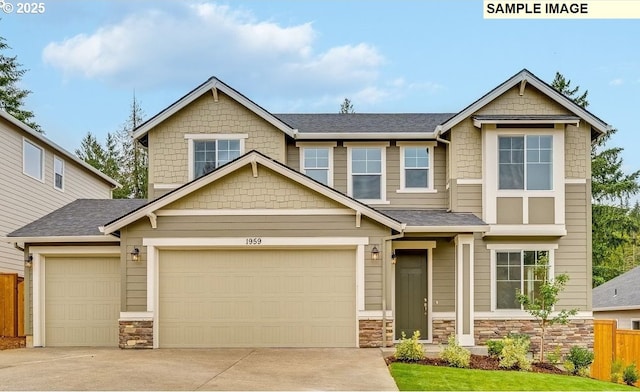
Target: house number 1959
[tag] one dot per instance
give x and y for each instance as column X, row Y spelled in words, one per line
column 253, row 241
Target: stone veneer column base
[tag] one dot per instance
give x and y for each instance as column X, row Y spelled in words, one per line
column 370, row 332
column 135, row 334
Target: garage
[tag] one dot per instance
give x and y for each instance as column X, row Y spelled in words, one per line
column 82, row 301
column 257, row 298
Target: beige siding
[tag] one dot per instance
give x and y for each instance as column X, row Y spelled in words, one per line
column 444, row 271
column 468, row 198
column 623, row 317
column 416, row 200
column 241, row 190
column 541, row 210
column 168, row 147
column 24, row 199
column 509, row 210
column 293, row 156
column 577, row 148
column 340, row 169
column 466, row 149
column 532, row 102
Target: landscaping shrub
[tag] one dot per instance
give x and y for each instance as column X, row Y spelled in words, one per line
column 495, row 347
column 580, row 358
column 616, row 370
column 514, row 354
column 555, row 356
column 455, row 355
column 630, row 374
column 410, row 350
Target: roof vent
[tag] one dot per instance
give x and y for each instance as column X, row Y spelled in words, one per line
column 615, row 292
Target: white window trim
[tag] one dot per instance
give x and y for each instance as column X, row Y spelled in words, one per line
column 383, row 174
column 190, row 137
column 490, row 174
column 329, row 146
column 494, row 248
column 403, row 189
column 64, row 179
column 24, row 159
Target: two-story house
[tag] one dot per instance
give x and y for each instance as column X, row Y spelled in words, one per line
column 38, row 177
column 328, row 230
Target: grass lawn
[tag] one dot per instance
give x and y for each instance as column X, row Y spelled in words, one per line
column 411, row 377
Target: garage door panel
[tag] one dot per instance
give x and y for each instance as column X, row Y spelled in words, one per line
column 82, row 301
column 267, row 298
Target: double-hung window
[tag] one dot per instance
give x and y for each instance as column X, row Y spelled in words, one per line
column 58, row 173
column 366, row 180
column 208, row 152
column 519, row 271
column 525, row 162
column 316, row 162
column 416, row 168
column 32, row 160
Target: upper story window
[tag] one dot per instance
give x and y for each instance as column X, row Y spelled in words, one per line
column 208, row 152
column 521, row 270
column 366, row 169
column 58, row 173
column 316, row 161
column 32, row 160
column 525, row 162
column 416, row 167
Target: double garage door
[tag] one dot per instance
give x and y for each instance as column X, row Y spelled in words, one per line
column 212, row 298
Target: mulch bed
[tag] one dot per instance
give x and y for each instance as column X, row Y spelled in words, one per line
column 483, row 362
column 7, row 343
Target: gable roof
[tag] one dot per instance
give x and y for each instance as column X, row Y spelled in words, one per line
column 80, row 218
column 620, row 293
column 211, row 85
column 253, row 157
column 525, row 76
column 41, row 138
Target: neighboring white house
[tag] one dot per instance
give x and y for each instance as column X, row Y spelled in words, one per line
column 619, row 299
column 38, row 177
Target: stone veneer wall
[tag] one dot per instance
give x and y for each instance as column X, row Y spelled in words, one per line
column 135, row 334
column 371, row 333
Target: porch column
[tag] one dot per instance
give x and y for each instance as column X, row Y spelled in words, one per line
column 464, row 290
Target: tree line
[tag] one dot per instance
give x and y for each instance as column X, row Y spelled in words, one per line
column 616, row 224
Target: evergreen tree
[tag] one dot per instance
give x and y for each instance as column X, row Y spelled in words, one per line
column 346, row 107
column 135, row 159
column 11, row 95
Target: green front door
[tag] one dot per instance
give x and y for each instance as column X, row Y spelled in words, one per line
column 411, row 293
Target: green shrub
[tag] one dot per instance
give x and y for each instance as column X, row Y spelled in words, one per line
column 519, row 336
column 514, row 354
column 455, row 355
column 616, row 370
column 555, row 356
column 630, row 374
column 581, row 358
column 495, row 347
column 410, row 350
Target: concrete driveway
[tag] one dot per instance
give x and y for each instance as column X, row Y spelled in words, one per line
column 191, row 370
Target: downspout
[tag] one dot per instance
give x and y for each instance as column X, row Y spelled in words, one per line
column 448, row 143
column 384, row 284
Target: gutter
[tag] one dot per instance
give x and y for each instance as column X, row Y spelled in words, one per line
column 438, row 132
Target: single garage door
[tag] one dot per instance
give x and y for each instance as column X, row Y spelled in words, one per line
column 82, row 301
column 257, row 298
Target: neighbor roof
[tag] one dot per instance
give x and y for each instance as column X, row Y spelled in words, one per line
column 365, row 122
column 78, row 218
column 41, row 138
column 619, row 293
column 437, row 220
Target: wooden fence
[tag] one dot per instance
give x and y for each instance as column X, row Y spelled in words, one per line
column 611, row 343
column 11, row 305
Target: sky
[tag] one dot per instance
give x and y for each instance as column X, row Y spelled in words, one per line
column 86, row 59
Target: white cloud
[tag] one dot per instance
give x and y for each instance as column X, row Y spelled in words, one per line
column 616, row 82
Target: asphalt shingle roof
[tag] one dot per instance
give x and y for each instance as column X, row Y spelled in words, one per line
column 434, row 218
column 619, row 291
column 79, row 218
column 365, row 122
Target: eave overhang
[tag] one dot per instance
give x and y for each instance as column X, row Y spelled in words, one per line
column 447, row 229
column 479, row 121
column 365, row 135
column 62, row 239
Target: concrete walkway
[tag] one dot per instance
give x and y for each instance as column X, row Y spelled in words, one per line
column 191, row 370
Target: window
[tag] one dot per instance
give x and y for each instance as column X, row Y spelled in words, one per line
column 635, row 324
column 210, row 151
column 317, row 164
column 525, row 162
column 416, row 173
column 58, row 173
column 32, row 160
column 519, row 271
column 367, row 173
